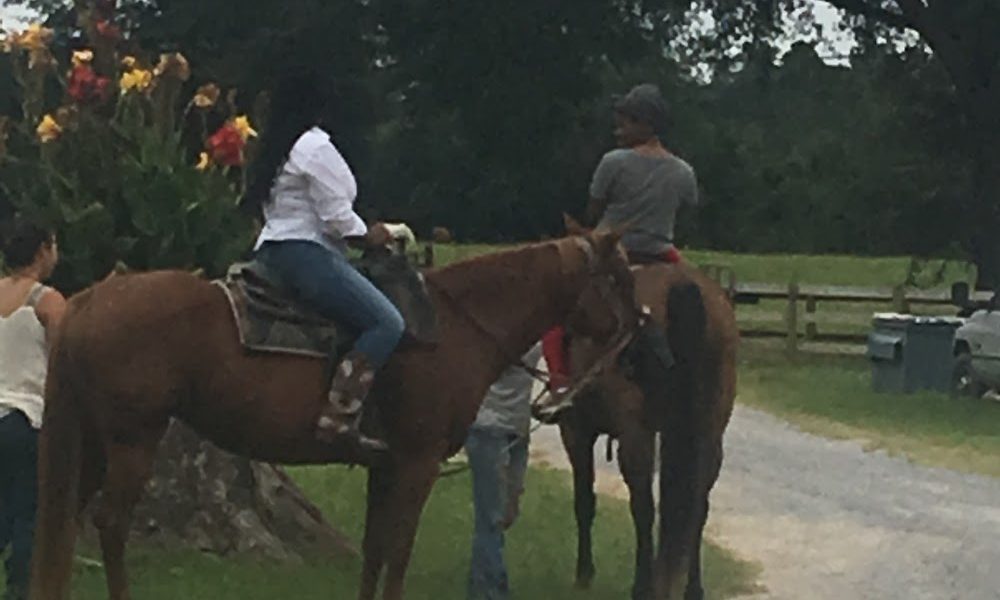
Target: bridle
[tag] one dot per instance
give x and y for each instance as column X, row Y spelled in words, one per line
column 605, row 283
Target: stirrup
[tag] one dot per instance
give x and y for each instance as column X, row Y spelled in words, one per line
column 552, row 404
column 329, row 430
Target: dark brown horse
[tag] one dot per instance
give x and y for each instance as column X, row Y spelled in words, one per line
column 136, row 350
column 690, row 411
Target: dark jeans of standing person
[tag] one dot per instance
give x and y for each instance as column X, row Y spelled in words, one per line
column 498, row 461
column 18, row 498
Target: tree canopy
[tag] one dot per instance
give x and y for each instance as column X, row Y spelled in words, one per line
column 489, row 119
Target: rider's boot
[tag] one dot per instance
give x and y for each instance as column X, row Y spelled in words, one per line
column 341, row 417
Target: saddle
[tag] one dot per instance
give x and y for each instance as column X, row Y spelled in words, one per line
column 269, row 318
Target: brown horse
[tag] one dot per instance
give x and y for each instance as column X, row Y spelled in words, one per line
column 136, row 350
column 690, row 411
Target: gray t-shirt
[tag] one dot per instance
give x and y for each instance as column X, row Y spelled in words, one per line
column 646, row 191
column 507, row 405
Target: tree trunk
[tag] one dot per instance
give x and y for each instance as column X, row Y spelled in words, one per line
column 214, row 501
column 985, row 242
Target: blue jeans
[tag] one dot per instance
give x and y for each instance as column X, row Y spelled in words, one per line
column 324, row 280
column 18, row 499
column 498, row 460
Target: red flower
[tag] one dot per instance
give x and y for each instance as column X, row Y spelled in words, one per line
column 86, row 86
column 226, row 146
column 108, row 30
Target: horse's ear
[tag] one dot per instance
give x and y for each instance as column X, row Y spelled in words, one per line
column 573, row 227
column 613, row 235
column 606, row 240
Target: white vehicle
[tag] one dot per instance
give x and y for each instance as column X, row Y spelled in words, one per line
column 977, row 354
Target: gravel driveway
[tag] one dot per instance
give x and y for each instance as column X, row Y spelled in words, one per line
column 828, row 520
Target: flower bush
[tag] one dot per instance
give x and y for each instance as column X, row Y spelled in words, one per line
column 110, row 160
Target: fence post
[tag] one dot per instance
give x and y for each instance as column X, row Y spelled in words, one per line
column 792, row 318
column 812, row 331
column 899, row 303
column 429, row 254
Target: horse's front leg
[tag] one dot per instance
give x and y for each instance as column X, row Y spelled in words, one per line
column 579, row 443
column 405, row 499
column 635, row 458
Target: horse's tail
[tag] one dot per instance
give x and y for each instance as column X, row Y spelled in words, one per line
column 59, row 468
column 683, row 426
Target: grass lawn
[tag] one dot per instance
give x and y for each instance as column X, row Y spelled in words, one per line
column 540, row 551
column 831, row 395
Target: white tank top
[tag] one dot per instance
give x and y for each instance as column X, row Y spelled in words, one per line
column 24, row 358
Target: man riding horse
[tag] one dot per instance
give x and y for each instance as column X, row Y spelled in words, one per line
column 639, row 186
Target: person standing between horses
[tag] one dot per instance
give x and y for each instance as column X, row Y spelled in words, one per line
column 640, row 186
column 306, row 191
column 497, row 447
column 29, row 315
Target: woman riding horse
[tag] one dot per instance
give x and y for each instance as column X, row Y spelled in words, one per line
column 307, row 191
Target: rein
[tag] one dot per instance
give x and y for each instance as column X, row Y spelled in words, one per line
column 537, row 374
column 482, row 328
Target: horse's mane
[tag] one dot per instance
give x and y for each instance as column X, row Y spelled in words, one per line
column 515, row 264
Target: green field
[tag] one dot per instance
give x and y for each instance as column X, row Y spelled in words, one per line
column 540, row 551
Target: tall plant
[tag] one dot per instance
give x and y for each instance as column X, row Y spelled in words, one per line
column 102, row 151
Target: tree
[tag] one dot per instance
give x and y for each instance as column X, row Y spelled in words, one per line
column 962, row 36
column 490, row 120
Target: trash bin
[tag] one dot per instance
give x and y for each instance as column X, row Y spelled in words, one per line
column 910, row 353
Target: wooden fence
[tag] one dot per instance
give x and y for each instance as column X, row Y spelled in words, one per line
column 798, row 297
column 898, row 299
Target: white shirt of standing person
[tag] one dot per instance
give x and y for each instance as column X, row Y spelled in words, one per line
column 313, row 196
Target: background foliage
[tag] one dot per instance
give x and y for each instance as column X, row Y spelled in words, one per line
column 489, row 120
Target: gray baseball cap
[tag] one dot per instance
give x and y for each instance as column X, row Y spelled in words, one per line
column 644, row 103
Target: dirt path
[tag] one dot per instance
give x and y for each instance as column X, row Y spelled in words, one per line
column 828, row 520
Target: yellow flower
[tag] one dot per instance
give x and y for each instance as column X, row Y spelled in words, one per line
column 82, row 57
column 173, row 64
column 136, row 79
column 204, row 162
column 206, row 96
column 48, row 130
column 129, row 63
column 34, row 38
column 242, row 125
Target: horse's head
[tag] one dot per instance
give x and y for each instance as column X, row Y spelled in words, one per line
column 605, row 308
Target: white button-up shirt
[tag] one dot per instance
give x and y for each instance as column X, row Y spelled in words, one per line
column 313, row 195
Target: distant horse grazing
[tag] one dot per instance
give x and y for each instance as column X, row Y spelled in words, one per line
column 690, row 411
column 136, row 350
